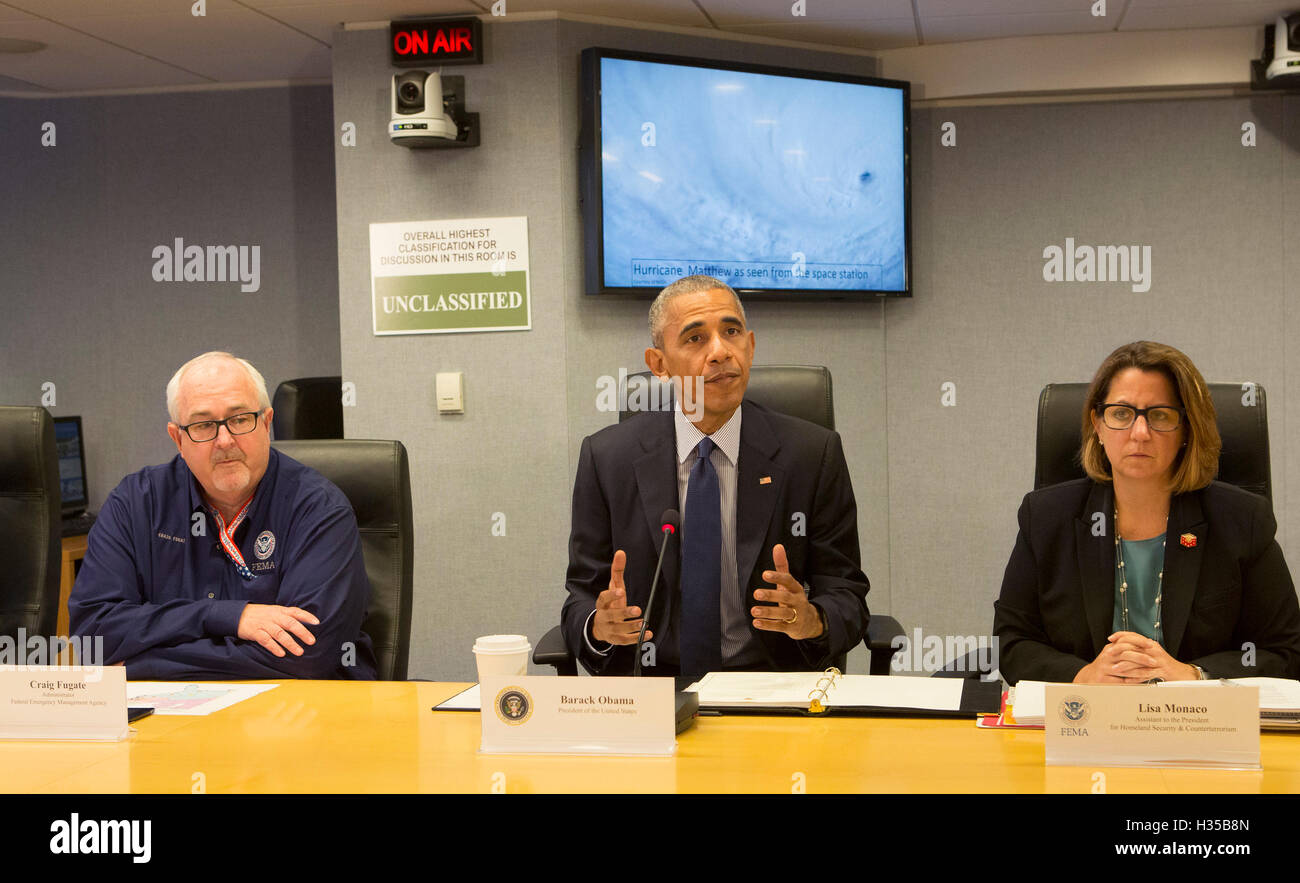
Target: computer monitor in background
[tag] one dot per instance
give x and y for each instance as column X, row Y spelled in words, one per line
column 72, row 464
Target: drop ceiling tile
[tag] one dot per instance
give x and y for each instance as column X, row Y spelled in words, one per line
column 381, row 10
column 70, row 11
column 231, row 43
column 77, row 62
column 683, row 13
column 9, row 84
column 945, row 8
column 727, row 13
column 958, row 28
column 10, row 13
column 1170, row 15
column 882, row 34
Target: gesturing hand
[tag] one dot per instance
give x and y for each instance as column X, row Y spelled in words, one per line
column 615, row 622
column 274, row 627
column 794, row 614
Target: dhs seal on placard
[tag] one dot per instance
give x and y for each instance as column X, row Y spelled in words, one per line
column 514, row 706
column 264, row 545
column 1074, row 710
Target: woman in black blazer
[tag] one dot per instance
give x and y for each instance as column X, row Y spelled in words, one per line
column 1147, row 569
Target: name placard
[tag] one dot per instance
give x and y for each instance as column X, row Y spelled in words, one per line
column 1121, row 725
column 63, row 702
column 559, row 715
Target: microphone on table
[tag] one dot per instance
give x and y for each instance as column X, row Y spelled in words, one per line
column 686, row 705
column 669, row 522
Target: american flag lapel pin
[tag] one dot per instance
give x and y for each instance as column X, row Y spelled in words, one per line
column 766, row 479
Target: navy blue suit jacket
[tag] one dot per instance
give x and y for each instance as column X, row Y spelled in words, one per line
column 167, row 601
column 627, row 477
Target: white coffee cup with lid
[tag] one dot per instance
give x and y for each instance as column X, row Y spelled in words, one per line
column 502, row 655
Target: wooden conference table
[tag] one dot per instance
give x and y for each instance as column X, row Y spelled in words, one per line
column 335, row 736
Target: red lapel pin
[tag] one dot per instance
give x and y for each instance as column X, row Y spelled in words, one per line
column 1188, row 540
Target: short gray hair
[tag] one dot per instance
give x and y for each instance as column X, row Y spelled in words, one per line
column 686, row 285
column 174, row 385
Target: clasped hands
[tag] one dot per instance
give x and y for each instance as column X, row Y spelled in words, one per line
column 1130, row 658
column 793, row 615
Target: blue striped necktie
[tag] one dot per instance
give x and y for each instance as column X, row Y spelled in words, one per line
column 701, row 620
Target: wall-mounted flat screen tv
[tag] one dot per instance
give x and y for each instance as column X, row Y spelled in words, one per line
column 782, row 183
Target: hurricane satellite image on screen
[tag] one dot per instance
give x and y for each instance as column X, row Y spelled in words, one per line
column 766, row 182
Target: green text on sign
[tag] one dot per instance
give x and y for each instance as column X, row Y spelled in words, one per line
column 451, row 302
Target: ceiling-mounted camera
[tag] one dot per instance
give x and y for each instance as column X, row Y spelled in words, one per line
column 428, row 110
column 1279, row 66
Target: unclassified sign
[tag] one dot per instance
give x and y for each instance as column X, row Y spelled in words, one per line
column 431, row 277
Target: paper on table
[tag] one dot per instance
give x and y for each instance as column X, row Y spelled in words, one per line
column 168, row 697
column 1275, row 694
column 758, row 688
column 465, row 700
column 1028, row 702
column 791, row 690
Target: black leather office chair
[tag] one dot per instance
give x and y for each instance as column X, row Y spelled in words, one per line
column 802, row 391
column 308, row 407
column 1240, row 408
column 1241, row 411
column 375, row 477
column 30, row 538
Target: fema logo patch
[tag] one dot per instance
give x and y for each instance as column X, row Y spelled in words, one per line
column 1074, row 710
column 264, row 545
column 514, row 706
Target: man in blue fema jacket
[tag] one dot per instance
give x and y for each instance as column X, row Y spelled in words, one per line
column 232, row 560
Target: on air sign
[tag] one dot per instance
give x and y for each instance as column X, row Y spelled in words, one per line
column 436, row 41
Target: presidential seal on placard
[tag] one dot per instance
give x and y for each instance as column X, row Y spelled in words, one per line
column 514, row 706
column 264, row 545
column 1073, row 709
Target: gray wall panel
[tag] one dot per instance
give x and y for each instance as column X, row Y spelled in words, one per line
column 78, row 224
column 506, row 454
column 1284, row 401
